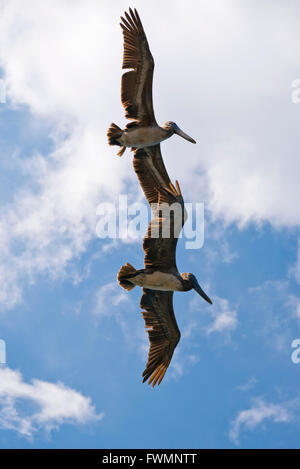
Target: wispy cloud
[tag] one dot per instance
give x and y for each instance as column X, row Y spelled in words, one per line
column 28, row 408
column 275, row 311
column 112, row 301
column 182, row 362
column 250, row 175
column 225, row 317
column 224, row 322
column 220, row 319
column 256, row 415
column 248, row 384
column 294, row 305
column 108, row 297
column 53, row 222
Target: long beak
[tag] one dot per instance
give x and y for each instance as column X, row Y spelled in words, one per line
column 199, row 290
column 182, row 134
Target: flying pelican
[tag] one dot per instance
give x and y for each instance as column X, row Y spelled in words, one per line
column 136, row 93
column 160, row 277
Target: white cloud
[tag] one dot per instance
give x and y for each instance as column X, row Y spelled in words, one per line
column 27, row 408
column 127, row 316
column 182, row 361
column 219, row 317
column 222, row 317
column 249, row 384
column 225, row 318
column 273, row 310
column 247, row 123
column 53, row 226
column 294, row 305
column 108, row 297
column 256, row 415
column 224, row 321
column 57, row 62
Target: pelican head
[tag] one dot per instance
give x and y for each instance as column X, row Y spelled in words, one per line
column 174, row 129
column 192, row 283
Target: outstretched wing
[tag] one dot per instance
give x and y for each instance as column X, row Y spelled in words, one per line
column 163, row 333
column 136, row 92
column 151, row 172
column 164, row 229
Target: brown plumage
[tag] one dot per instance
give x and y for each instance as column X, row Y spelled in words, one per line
column 160, row 253
column 160, row 321
column 163, row 333
column 160, row 276
column 151, row 172
column 158, row 313
column 136, row 92
column 136, row 88
column 164, row 229
column 126, row 270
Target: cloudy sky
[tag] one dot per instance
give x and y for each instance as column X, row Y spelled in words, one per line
column 228, row 73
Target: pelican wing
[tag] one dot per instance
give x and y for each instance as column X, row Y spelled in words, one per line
column 163, row 333
column 151, row 172
column 136, row 93
column 164, row 229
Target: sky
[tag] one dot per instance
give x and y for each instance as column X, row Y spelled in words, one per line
column 228, row 73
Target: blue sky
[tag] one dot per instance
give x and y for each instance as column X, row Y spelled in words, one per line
column 75, row 341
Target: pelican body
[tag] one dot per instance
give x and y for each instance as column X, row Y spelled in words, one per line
column 160, row 277
column 159, row 280
column 136, row 93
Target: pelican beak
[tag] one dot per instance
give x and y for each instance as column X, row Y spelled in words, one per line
column 199, row 290
column 182, row 134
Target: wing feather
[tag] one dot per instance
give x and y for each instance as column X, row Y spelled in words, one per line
column 151, row 172
column 136, row 89
column 167, row 204
column 164, row 229
column 163, row 333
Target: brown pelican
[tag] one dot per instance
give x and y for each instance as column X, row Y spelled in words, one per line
column 160, row 277
column 136, row 93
